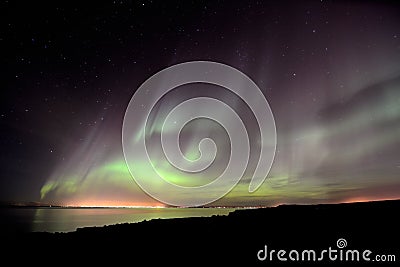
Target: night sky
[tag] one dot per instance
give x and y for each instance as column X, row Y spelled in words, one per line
column 330, row 71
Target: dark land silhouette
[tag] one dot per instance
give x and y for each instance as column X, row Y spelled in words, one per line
column 231, row 239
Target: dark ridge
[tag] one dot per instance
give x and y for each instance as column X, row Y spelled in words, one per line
column 232, row 239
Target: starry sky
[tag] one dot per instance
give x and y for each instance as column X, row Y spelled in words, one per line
column 330, row 71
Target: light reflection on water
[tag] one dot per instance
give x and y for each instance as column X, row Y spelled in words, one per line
column 69, row 219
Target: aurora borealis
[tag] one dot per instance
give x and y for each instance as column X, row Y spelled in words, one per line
column 330, row 71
